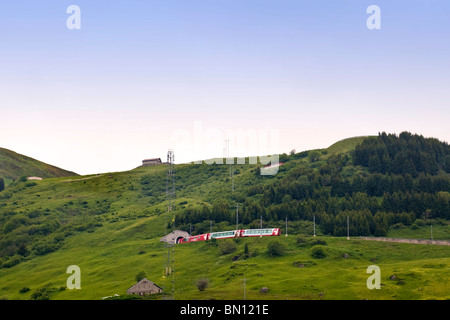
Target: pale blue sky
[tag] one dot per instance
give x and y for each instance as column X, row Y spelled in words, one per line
column 140, row 73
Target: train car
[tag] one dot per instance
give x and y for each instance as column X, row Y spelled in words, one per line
column 200, row 237
column 226, row 234
column 260, row 232
column 232, row 234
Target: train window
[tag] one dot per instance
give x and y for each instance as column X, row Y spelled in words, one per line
column 222, row 234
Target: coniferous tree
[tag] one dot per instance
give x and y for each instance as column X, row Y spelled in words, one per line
column 447, row 164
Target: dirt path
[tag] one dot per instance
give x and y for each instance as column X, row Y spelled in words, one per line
column 414, row 241
column 75, row 180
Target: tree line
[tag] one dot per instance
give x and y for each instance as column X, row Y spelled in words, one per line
column 372, row 197
column 403, row 154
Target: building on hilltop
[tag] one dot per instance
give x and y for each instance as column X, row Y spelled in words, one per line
column 151, row 162
column 143, row 287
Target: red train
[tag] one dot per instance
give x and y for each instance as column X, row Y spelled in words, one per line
column 232, row 234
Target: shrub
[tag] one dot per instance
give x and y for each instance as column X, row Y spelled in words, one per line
column 11, row 262
column 15, row 222
column 22, row 250
column 420, row 222
column 141, row 275
column 40, row 294
column 24, row 289
column 276, row 248
column 227, row 246
column 30, row 184
column 398, row 226
column 44, row 248
column 304, row 241
column 202, row 284
column 316, row 241
column 212, row 242
column 318, row 252
column 246, row 251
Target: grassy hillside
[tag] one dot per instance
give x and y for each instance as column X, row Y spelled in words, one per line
column 345, row 145
column 110, row 224
column 110, row 257
column 14, row 165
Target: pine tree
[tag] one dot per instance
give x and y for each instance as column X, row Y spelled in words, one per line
column 447, row 164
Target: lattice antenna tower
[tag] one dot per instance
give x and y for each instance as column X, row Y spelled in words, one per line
column 169, row 259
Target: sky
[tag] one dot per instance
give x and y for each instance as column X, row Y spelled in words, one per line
column 138, row 78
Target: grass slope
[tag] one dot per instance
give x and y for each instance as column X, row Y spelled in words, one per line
column 345, row 145
column 110, row 257
column 110, row 225
column 14, row 165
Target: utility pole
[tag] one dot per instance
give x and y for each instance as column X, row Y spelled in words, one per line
column 348, row 230
column 314, row 219
column 237, row 216
column 232, row 178
column 245, row 281
column 286, row 226
column 261, row 227
column 428, row 216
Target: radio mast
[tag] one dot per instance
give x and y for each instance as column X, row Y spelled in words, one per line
column 169, row 256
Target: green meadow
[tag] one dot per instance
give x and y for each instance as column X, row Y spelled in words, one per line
column 110, row 257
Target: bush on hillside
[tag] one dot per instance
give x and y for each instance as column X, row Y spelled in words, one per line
column 318, row 252
column 141, row 275
column 227, row 246
column 202, row 284
column 276, row 248
column 309, row 241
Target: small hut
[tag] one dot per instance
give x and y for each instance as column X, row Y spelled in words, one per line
column 144, row 286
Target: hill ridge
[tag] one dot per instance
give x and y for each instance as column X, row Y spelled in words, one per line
column 14, row 165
